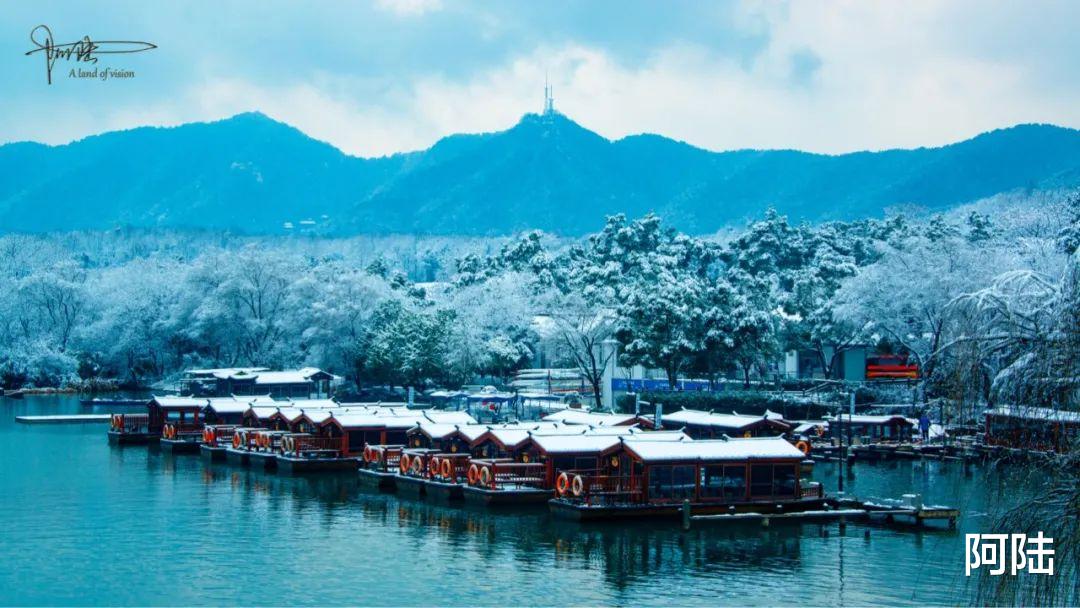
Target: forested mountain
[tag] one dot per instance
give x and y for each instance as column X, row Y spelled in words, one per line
column 252, row 174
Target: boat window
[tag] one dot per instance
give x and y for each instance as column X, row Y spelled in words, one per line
column 735, row 482
column 672, row 482
column 784, row 480
column 712, row 481
column 761, row 480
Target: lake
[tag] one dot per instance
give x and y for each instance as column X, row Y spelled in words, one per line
column 90, row 524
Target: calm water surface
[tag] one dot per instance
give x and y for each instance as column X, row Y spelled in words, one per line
column 90, row 524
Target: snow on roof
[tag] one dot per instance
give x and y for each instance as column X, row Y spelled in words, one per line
column 444, row 417
column 447, row 394
column 570, row 416
column 311, row 403
column 170, row 402
column 436, row 430
column 263, row 412
column 724, row 421
column 377, row 419
column 760, row 448
column 295, row 376
column 871, row 419
column 1035, row 413
column 214, row 371
column 806, row 426
column 591, row 442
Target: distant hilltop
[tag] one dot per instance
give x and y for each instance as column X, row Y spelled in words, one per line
column 252, row 174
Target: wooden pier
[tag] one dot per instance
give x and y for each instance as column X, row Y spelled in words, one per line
column 845, row 511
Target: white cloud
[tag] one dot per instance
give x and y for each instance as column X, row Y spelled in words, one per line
column 409, row 8
column 833, row 77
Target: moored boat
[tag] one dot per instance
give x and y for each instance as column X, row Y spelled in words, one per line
column 656, row 479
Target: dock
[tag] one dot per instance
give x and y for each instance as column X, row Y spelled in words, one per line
column 65, row 419
column 846, row 511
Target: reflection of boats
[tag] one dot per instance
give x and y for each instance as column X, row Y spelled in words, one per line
column 13, row 394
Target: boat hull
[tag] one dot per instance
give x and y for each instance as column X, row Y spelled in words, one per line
column 212, row 453
column 302, row 466
column 179, row 446
column 496, row 498
column 116, row 438
column 580, row 512
column 378, row 479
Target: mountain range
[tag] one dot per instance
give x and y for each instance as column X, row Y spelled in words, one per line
column 252, row 174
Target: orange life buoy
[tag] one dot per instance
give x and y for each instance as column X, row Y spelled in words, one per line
column 418, row 465
column 433, row 466
column 485, row 476
column 403, row 464
column 577, row 486
column 236, row 441
column 446, row 467
column 474, row 474
column 369, row 454
column 562, row 483
column 803, row 447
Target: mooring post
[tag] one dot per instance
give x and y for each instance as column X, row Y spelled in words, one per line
column 686, row 514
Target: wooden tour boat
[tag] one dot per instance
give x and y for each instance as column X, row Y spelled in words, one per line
column 655, row 479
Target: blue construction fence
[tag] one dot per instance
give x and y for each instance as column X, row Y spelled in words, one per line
column 639, row 385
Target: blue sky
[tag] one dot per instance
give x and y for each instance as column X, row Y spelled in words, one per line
column 391, row 75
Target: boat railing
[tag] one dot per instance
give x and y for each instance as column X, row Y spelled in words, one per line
column 216, row 435
column 130, row 423
column 182, row 431
column 506, row 474
column 591, row 487
column 383, row 458
column 811, row 489
column 268, row 441
column 301, row 445
column 244, row 438
column 416, row 462
column 449, row 467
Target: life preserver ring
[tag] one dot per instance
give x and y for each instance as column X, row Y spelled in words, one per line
column 803, row 447
column 433, row 466
column 446, row 467
column 562, row 483
column 113, row 422
column 236, row 441
column 485, row 476
column 418, row 465
column 473, row 475
column 288, row 444
column 369, row 454
column 403, row 464
column 207, row 436
column 577, row 486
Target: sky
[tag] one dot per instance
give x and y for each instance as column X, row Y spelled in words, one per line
column 385, row 76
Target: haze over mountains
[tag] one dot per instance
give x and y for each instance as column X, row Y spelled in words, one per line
column 252, row 174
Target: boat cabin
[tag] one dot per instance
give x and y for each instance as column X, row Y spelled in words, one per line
column 1032, row 428
column 872, row 429
column 719, row 476
column 305, row 383
column 580, row 417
